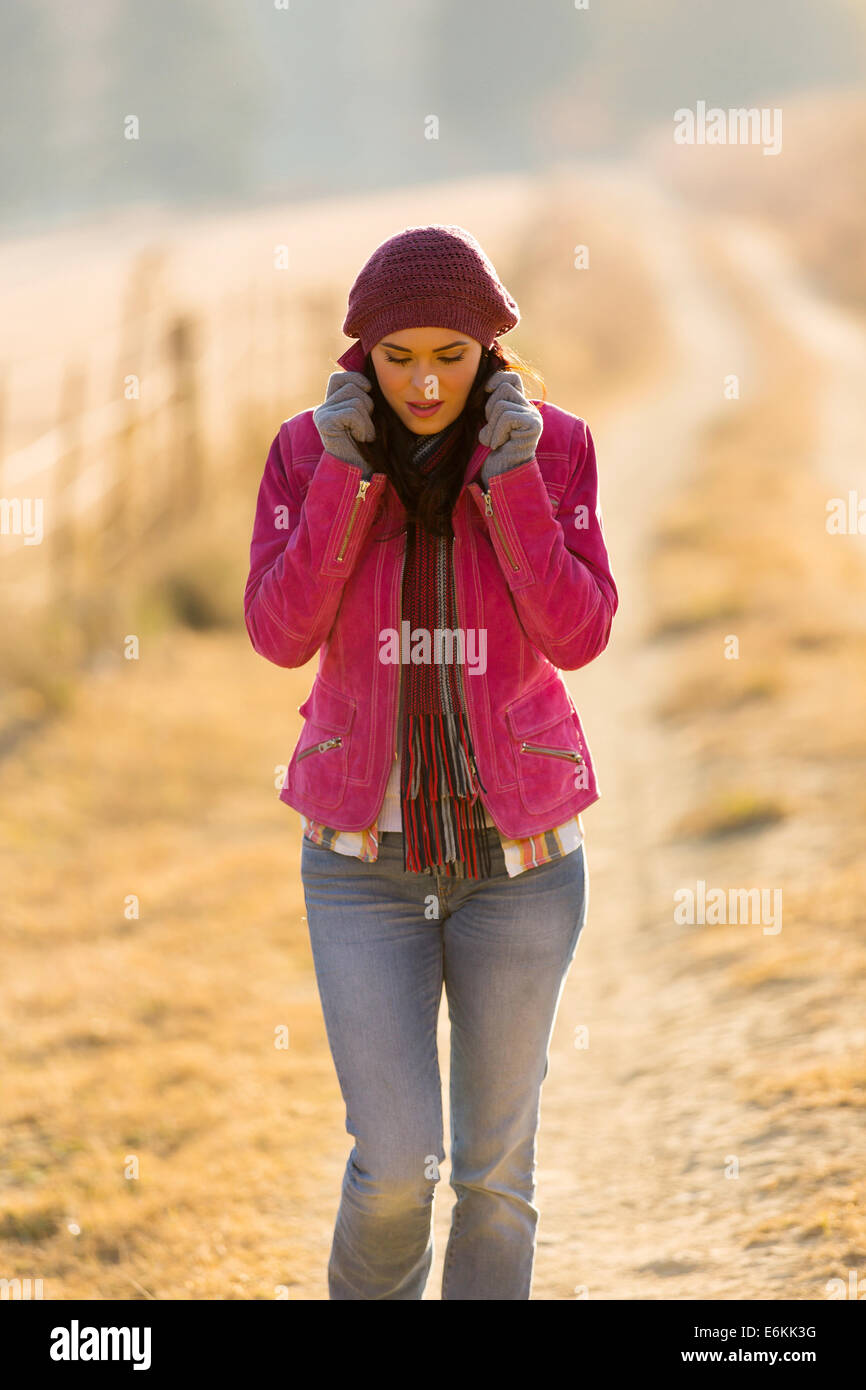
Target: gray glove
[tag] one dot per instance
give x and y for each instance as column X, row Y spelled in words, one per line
column 513, row 426
column 344, row 417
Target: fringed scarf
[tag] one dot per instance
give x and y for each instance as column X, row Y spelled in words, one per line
column 443, row 815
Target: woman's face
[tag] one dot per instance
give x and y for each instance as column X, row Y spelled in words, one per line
column 426, row 374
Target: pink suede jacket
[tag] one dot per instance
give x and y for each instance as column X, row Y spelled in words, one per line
column 531, row 573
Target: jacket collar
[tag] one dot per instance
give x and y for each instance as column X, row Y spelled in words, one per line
column 353, row 358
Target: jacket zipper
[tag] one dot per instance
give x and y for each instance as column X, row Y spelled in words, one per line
column 359, row 498
column 552, row 752
column 320, row 747
column 488, row 507
column 399, row 668
column 472, row 762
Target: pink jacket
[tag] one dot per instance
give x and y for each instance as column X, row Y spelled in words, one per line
column 531, row 573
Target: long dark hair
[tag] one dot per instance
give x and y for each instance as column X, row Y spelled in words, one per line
column 430, row 500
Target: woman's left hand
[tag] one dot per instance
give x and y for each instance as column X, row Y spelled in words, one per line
column 513, row 426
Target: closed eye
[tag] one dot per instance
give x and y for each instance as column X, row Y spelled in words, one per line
column 401, row 361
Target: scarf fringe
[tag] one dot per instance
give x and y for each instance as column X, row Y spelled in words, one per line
column 443, row 822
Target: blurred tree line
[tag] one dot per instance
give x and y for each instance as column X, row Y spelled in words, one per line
column 240, row 100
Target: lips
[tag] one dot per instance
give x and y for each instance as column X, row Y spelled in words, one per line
column 425, row 408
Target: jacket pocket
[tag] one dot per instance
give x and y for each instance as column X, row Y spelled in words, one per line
column 547, row 746
column 321, row 759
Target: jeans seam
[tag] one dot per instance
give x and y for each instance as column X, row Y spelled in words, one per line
column 442, row 896
column 455, row 1230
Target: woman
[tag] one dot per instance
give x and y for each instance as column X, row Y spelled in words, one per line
column 437, row 538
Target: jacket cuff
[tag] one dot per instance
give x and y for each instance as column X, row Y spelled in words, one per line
column 492, row 466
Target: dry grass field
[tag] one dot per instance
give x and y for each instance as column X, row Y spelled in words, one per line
column 157, row 1140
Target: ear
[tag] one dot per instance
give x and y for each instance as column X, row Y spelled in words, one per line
column 353, row 358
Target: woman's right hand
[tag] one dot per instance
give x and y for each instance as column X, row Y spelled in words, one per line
column 344, row 417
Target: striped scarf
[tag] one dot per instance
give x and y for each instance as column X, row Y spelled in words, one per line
column 443, row 816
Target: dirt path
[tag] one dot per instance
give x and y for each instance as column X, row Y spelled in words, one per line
column 615, row 1115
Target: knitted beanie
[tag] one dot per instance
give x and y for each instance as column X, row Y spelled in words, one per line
column 436, row 276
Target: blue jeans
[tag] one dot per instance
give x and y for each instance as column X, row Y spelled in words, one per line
column 384, row 943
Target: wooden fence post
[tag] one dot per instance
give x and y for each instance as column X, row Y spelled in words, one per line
column 253, row 357
column 4, row 380
column 279, row 321
column 123, row 487
column 62, row 547
column 186, row 484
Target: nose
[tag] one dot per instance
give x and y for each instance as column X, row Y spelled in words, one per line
column 419, row 378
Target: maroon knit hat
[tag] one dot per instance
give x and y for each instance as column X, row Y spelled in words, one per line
column 435, row 275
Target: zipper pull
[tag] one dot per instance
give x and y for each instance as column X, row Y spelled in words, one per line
column 488, row 507
column 474, row 767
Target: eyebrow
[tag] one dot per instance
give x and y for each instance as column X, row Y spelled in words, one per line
column 458, row 342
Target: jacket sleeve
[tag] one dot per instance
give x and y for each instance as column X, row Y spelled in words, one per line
column 303, row 550
column 556, row 565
